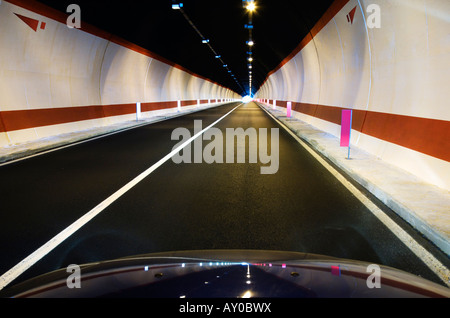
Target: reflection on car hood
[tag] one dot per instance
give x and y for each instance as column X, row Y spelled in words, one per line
column 228, row 274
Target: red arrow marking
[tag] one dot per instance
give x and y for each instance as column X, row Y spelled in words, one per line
column 32, row 23
column 351, row 15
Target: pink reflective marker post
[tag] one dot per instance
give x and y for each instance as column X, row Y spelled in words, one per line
column 346, row 129
column 289, row 109
column 336, row 270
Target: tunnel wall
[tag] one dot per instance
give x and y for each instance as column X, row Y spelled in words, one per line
column 395, row 78
column 54, row 79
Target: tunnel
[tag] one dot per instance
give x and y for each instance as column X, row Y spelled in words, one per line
column 236, row 126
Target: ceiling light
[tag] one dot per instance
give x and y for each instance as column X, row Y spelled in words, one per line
column 250, row 43
column 205, row 41
column 251, row 6
column 177, row 6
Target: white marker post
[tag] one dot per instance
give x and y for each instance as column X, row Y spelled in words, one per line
column 274, row 104
column 138, row 111
column 179, row 105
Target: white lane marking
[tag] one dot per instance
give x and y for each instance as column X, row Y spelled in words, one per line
column 434, row 264
column 26, row 263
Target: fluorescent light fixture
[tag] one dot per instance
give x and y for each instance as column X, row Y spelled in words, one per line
column 205, row 41
column 249, row 26
column 218, row 56
column 177, row 6
column 250, row 43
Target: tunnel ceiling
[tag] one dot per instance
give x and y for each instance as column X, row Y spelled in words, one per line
column 279, row 26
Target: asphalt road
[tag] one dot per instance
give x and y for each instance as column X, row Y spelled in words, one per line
column 187, row 206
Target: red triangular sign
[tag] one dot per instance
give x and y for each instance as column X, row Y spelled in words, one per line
column 351, row 15
column 32, row 23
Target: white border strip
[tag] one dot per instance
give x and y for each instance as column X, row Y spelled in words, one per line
column 26, row 263
column 434, row 264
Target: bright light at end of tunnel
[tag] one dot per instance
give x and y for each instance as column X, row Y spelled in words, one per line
column 247, row 99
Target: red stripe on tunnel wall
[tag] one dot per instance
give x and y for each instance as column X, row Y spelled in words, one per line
column 429, row 136
column 425, row 135
column 34, row 118
column 188, row 102
column 146, row 107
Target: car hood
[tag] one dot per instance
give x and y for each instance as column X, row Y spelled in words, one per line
column 227, row 274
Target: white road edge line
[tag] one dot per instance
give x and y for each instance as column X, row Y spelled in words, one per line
column 434, row 264
column 30, row 260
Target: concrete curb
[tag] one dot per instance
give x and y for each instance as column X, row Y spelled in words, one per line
column 426, row 207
